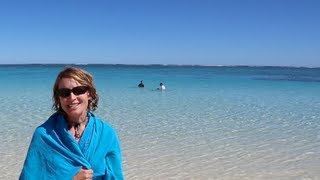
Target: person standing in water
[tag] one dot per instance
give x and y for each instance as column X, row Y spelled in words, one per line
column 162, row 87
column 141, row 85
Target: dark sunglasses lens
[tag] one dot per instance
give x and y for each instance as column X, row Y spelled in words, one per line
column 64, row 92
column 76, row 91
column 79, row 90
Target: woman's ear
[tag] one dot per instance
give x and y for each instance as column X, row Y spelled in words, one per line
column 89, row 96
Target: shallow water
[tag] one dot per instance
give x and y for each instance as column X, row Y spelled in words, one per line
column 210, row 123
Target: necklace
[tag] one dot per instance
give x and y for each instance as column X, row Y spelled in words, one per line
column 77, row 126
column 77, row 133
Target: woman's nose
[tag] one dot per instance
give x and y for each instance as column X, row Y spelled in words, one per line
column 72, row 96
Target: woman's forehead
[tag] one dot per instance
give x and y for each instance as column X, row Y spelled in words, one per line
column 68, row 83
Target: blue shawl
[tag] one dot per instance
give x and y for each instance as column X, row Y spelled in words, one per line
column 55, row 154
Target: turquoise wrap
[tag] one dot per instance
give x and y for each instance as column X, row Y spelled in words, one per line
column 54, row 153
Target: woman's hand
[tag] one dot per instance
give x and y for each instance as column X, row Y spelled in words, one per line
column 83, row 174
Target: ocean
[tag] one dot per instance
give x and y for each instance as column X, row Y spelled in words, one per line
column 233, row 122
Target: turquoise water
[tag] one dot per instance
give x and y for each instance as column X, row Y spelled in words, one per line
column 210, row 123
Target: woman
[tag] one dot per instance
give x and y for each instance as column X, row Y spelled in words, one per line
column 73, row 143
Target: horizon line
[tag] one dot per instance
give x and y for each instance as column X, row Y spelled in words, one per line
column 123, row 64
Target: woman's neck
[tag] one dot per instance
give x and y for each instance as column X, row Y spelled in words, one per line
column 76, row 128
column 74, row 121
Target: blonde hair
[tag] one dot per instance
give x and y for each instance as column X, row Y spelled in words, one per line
column 81, row 76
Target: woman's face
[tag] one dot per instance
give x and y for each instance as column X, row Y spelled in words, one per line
column 75, row 106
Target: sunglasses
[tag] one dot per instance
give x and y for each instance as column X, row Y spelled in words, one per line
column 64, row 92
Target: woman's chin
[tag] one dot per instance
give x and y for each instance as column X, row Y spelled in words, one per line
column 73, row 113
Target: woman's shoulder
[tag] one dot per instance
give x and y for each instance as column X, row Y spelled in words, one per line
column 103, row 125
column 47, row 126
column 97, row 119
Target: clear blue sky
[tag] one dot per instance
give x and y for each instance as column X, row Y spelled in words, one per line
column 205, row 32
